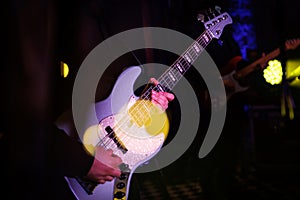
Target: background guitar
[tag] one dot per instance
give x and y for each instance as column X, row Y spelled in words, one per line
column 132, row 128
column 234, row 78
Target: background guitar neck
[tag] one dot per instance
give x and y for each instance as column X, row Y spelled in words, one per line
column 250, row 68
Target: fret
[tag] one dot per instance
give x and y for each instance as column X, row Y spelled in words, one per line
column 193, row 54
column 206, row 37
column 170, row 73
column 167, row 85
column 147, row 94
column 187, row 57
column 177, row 74
column 180, row 69
column 197, row 47
column 184, row 65
column 160, row 87
column 169, row 79
column 209, row 34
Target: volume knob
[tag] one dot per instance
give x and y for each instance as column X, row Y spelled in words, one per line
column 119, row 195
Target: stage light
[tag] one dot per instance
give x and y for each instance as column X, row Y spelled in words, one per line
column 273, row 72
column 293, row 69
column 295, row 82
column 64, row 69
column 293, row 72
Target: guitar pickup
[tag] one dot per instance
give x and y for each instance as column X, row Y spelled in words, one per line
column 112, row 135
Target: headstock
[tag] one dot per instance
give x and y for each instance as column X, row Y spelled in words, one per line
column 214, row 21
column 292, row 44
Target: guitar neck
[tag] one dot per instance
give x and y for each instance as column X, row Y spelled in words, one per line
column 176, row 71
column 250, row 68
column 168, row 80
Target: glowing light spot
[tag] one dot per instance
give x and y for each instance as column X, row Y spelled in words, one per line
column 64, row 69
column 273, row 72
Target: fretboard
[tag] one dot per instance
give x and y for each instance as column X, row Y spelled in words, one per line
column 176, row 71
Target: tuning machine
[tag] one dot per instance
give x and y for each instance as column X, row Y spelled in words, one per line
column 208, row 14
column 211, row 13
column 201, row 17
column 218, row 9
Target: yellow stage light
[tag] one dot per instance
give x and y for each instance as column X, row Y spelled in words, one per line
column 295, row 82
column 273, row 72
column 293, row 68
column 64, row 69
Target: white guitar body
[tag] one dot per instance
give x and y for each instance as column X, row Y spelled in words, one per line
column 229, row 78
column 140, row 145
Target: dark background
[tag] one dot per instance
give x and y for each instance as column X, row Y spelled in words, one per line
column 37, row 35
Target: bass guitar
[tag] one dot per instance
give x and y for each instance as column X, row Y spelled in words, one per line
column 137, row 131
column 234, row 78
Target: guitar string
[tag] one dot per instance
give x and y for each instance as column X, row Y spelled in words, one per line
column 180, row 59
column 199, row 41
column 147, row 94
column 184, row 65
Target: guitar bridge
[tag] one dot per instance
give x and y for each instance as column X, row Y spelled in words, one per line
column 112, row 135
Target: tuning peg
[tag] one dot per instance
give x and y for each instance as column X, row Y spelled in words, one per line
column 211, row 13
column 206, row 14
column 200, row 17
column 218, row 9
